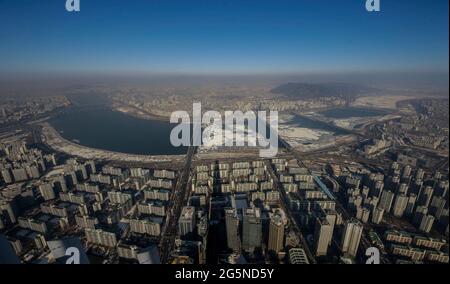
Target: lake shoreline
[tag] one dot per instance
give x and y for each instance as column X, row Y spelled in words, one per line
column 111, row 130
column 52, row 138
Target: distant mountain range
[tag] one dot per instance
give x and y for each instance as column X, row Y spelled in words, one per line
column 320, row 90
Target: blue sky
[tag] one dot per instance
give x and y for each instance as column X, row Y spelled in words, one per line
column 219, row 36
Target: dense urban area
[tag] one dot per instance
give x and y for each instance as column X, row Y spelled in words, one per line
column 383, row 183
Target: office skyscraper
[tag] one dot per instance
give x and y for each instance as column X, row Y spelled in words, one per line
column 232, row 227
column 377, row 215
column 425, row 196
column 251, row 229
column 351, row 237
column 409, row 211
column 401, row 201
column 387, row 197
column 426, row 223
column 332, row 218
column 186, row 223
column 420, row 212
column 276, row 231
column 322, row 236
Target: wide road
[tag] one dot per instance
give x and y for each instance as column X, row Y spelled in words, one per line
column 180, row 197
column 285, row 206
column 285, row 203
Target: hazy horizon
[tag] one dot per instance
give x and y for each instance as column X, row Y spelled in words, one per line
column 435, row 83
column 222, row 43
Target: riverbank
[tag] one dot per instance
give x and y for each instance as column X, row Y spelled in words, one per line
column 54, row 140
